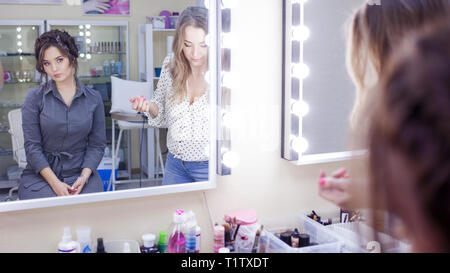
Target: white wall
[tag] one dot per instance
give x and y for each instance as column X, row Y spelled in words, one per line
column 262, row 181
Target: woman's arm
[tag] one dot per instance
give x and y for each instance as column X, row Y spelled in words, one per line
column 154, row 109
column 60, row 188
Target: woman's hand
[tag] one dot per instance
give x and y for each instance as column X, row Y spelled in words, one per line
column 336, row 188
column 61, row 189
column 140, row 104
column 79, row 184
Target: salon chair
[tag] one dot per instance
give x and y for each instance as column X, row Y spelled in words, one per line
column 16, row 132
column 127, row 119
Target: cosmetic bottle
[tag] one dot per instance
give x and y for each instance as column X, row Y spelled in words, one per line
column 219, row 238
column 149, row 243
column 163, row 242
column 177, row 240
column 67, row 245
column 100, row 246
column 192, row 232
column 106, row 68
column 84, row 239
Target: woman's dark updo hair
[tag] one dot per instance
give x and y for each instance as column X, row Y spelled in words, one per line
column 59, row 39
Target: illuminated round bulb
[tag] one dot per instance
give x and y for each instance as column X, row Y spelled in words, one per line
column 300, row 33
column 81, row 55
column 81, row 33
column 81, row 27
column 299, row 144
column 230, row 159
column 300, row 71
column 19, row 29
column 88, row 33
column 19, row 43
column 229, row 4
column 88, row 26
column 19, row 50
column 228, row 41
column 33, row 28
column 19, row 36
column 88, row 41
column 300, row 108
column 88, row 56
column 21, row 58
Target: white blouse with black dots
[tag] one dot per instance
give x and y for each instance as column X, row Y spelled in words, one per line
column 188, row 124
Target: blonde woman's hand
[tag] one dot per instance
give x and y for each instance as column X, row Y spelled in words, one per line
column 336, row 188
column 140, row 104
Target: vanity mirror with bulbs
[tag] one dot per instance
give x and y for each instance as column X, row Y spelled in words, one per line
column 318, row 93
column 221, row 156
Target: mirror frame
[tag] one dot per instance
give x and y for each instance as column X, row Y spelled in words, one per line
column 292, row 90
column 214, row 34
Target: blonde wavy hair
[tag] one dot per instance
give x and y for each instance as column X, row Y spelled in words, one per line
column 374, row 31
column 179, row 66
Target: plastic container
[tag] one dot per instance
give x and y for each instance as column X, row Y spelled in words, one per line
column 67, row 245
column 321, row 239
column 119, row 246
column 149, row 243
column 190, row 232
column 163, row 242
column 84, row 239
column 177, row 240
column 219, row 238
column 356, row 237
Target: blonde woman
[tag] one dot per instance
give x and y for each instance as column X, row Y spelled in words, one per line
column 375, row 30
column 180, row 101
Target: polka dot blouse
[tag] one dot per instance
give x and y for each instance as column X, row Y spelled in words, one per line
column 188, row 124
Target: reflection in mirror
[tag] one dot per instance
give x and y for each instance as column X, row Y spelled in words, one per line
column 163, row 136
column 318, row 93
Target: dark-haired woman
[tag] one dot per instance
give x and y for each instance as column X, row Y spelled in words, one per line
column 63, row 124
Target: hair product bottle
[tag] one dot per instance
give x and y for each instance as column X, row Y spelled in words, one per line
column 177, row 240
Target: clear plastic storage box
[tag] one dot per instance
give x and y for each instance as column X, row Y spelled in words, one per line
column 325, row 239
column 359, row 237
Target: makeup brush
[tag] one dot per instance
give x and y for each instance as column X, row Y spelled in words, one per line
column 255, row 248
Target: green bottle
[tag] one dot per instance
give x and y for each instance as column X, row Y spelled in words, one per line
column 163, row 242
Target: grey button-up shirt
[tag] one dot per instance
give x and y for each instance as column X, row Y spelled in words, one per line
column 66, row 139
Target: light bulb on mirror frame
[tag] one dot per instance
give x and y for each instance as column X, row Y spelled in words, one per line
column 300, row 71
column 299, row 144
column 230, row 159
column 299, row 108
column 300, row 33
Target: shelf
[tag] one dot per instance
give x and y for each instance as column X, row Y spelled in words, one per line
column 17, row 55
column 102, row 53
column 11, row 104
column 163, row 29
column 16, row 82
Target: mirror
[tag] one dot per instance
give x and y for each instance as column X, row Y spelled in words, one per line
column 318, row 93
column 111, row 43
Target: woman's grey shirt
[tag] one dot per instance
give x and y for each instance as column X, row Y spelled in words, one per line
column 66, row 139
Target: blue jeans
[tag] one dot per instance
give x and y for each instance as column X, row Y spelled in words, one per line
column 178, row 171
